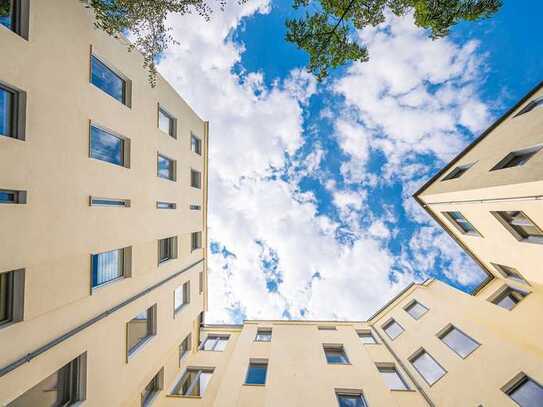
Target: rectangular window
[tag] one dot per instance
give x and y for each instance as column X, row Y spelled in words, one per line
column 184, row 347
column 106, row 146
column 366, row 337
column 166, row 168
column 11, row 297
column 194, row 382
column 94, row 201
column 167, row 249
column 165, row 205
column 508, row 298
column 263, row 335
column 520, row 226
column 525, row 391
column 12, row 112
column 12, row 197
column 335, row 355
column 517, row 158
column 461, row 223
column 351, row 400
column 428, row 368
column 109, row 266
column 196, row 144
column 326, row 328
column 152, row 389
column 167, row 123
column 458, row 172
column 215, row 343
column 109, row 81
column 14, row 16
column 64, row 387
column 195, row 179
column 195, row 207
column 181, row 296
column 392, row 378
column 201, row 282
column 534, row 104
column 510, row 272
column 140, row 328
column 256, row 373
column 196, row 240
column 458, row 341
column 393, row 329
column 416, row 309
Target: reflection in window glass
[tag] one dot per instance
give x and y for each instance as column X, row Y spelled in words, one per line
column 351, row 400
column 166, row 123
column 215, row 342
column 509, row 298
column 367, row 338
column 107, row 266
column 181, row 296
column 6, row 14
column 194, row 382
column 335, row 355
column 527, row 393
column 166, row 168
column 150, row 391
column 428, row 368
column 106, row 146
column 393, row 379
column 107, row 80
column 393, row 329
column 139, row 329
column 256, row 374
column 196, row 144
column 6, row 111
column 459, row 342
column 416, row 310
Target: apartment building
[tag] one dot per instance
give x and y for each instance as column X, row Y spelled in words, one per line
column 103, row 189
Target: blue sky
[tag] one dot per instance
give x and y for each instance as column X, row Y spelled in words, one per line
column 310, row 183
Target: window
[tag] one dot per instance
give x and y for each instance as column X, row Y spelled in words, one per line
column 525, row 392
column 517, row 158
column 335, row 355
column 194, row 382
column 392, row 378
column 167, row 123
column 140, row 328
column 196, row 240
column 152, row 389
column 65, row 387
column 195, row 179
column 351, row 400
column 201, row 282
column 181, row 296
column 167, row 249
column 427, row 367
column 112, row 83
column 326, row 328
column 256, row 373
column 106, row 146
column 215, row 343
column 12, row 197
column 520, row 226
column 458, row 172
column 195, row 207
column 393, row 329
column 536, row 103
column 94, row 201
column 184, row 347
column 165, row 205
column 14, row 16
column 166, row 168
column 11, row 297
column 508, row 297
column 12, row 112
column 263, row 335
column 461, row 223
column 458, row 341
column 416, row 309
column 510, row 272
column 109, row 266
column 196, row 144
column 367, row 338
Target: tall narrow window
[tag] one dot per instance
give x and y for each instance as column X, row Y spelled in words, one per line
column 517, row 158
column 109, row 266
column 167, row 249
column 351, row 400
column 184, row 347
column 263, row 335
column 458, row 341
column 65, row 387
column 196, row 144
column 196, row 240
column 166, row 168
column 167, row 123
column 11, row 297
column 181, row 296
column 140, row 328
column 510, row 272
column 201, row 282
column 215, row 343
column 428, row 368
column 335, row 355
column 366, row 337
column 508, row 298
column 461, row 223
column 458, row 172
column 525, row 392
column 534, row 104
column 392, row 378
column 14, row 16
column 12, row 197
column 520, row 226
column 194, row 382
column 393, row 329
column 152, row 389
column 106, row 146
column 256, row 372
column 195, row 179
column 416, row 309
column 109, row 81
column 12, row 112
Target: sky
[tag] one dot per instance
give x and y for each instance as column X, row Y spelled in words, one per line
column 310, row 183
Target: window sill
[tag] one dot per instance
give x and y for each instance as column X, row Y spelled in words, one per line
column 255, row 384
column 180, row 396
column 106, row 284
column 403, row 390
column 160, row 263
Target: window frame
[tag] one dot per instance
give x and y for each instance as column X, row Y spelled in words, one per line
column 335, row 347
column 327, row 328
column 263, row 332
column 20, row 14
column 172, row 249
column 187, row 341
column 173, row 167
column 507, row 271
column 126, row 268
column 505, row 291
column 458, row 225
column 197, row 185
column 166, row 205
column 158, row 382
column 198, row 143
column 216, row 337
column 447, row 330
column 367, row 333
column 173, row 122
column 14, row 301
column 518, row 235
column 185, row 288
column 183, row 378
column 256, row 363
column 19, row 197
column 350, row 393
column 419, row 353
column 127, row 83
column 17, row 119
column 390, row 322
column 531, row 105
column 196, row 241
column 391, row 368
column 516, row 382
column 458, row 172
column 503, row 164
column 125, row 155
column 412, row 304
column 114, row 202
column 151, row 332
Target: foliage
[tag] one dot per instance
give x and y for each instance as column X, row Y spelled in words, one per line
column 328, row 33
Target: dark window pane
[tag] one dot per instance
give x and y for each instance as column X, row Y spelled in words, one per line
column 6, row 14
column 347, row 400
column 527, row 393
column 165, row 168
column 193, row 383
column 107, row 266
column 150, row 390
column 106, row 147
column 107, row 80
column 256, row 373
column 196, row 240
column 6, row 112
column 336, row 356
column 195, row 179
column 5, row 288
